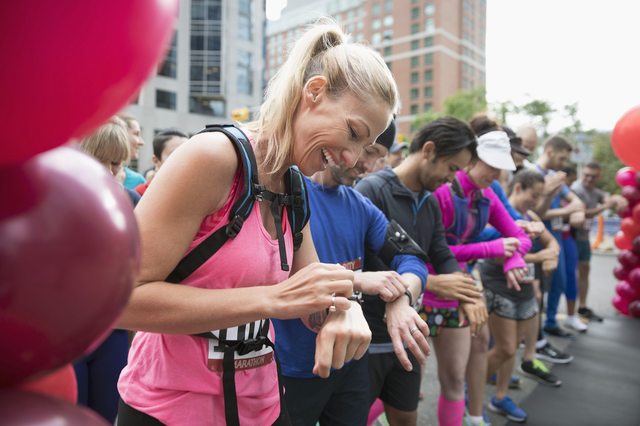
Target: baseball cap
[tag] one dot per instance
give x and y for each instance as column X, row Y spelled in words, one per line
column 388, row 137
column 516, row 142
column 398, row 146
column 495, row 150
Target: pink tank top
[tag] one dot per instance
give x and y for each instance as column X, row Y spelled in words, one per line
column 171, row 377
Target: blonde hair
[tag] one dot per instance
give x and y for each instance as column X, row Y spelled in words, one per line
column 348, row 67
column 109, row 143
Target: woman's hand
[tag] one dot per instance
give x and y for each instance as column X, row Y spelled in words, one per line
column 314, row 288
column 476, row 313
column 511, row 245
column 388, row 285
column 455, row 286
column 407, row 328
column 344, row 336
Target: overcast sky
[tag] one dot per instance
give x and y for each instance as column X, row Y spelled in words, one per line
column 563, row 51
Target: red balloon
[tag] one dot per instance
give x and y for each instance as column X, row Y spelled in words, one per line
column 628, row 259
column 627, row 291
column 60, row 384
column 27, row 409
column 69, row 251
column 622, row 241
column 634, row 309
column 634, row 278
column 625, row 137
column 630, row 227
column 87, row 59
column 620, row 304
column 632, row 194
column 635, row 213
column 625, row 212
column 620, row 272
column 626, row 176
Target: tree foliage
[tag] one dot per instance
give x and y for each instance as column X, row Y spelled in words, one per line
column 463, row 105
column 603, row 153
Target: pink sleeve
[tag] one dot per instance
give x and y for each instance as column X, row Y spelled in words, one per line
column 499, row 218
column 483, row 250
column 443, row 195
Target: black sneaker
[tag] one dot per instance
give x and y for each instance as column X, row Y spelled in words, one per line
column 551, row 354
column 539, row 372
column 590, row 315
column 558, row 332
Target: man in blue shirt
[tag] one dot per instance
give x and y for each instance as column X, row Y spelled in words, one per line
column 343, row 224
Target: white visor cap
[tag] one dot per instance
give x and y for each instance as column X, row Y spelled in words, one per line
column 495, row 150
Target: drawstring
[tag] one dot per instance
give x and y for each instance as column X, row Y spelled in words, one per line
column 277, row 201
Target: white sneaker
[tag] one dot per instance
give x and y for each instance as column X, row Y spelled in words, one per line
column 574, row 323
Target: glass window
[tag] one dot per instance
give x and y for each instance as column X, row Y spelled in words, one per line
column 415, row 45
column 245, row 29
column 428, row 41
column 388, row 5
column 169, row 67
column 429, row 9
column 428, row 58
column 414, row 94
column 376, row 39
column 197, row 10
column 214, row 11
column 428, row 75
column 375, row 25
column 244, row 73
column 388, row 21
column 414, row 61
column 165, row 99
column 428, row 92
column 213, row 41
column 429, row 25
column 414, row 109
column 415, row 28
column 375, row 9
column 197, row 42
column 415, row 13
column 207, row 106
column 387, row 51
column 427, row 107
column 414, row 77
column 387, row 35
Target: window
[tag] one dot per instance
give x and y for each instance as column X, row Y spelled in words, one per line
column 414, row 109
column 165, row 99
column 207, row 106
column 428, row 75
column 244, row 72
column 415, row 13
column 388, row 6
column 428, row 92
column 428, row 41
column 387, row 51
column 414, row 61
column 414, row 77
column 414, row 45
column 428, row 58
column 429, row 25
column 169, row 66
column 376, row 39
column 375, row 25
column 429, row 9
column 245, row 30
column 375, row 9
column 427, row 107
column 414, row 94
column 415, row 28
column 388, row 21
column 387, row 35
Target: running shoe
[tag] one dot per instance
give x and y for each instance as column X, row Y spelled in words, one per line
column 508, row 408
column 514, row 383
column 558, row 332
column 540, row 372
column 551, row 354
column 467, row 421
column 590, row 315
column 574, row 323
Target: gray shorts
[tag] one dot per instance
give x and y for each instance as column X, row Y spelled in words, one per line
column 502, row 306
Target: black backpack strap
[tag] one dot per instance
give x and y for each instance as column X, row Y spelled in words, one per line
column 298, row 210
column 239, row 212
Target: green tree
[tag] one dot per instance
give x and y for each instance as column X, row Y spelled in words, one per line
column 503, row 109
column 540, row 112
column 571, row 112
column 463, row 105
column 603, row 154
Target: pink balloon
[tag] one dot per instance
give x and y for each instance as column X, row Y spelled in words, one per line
column 620, row 272
column 634, row 309
column 73, row 64
column 625, row 212
column 27, row 409
column 626, row 176
column 634, row 278
column 69, row 251
column 632, row 194
column 620, row 304
column 628, row 259
column 627, row 292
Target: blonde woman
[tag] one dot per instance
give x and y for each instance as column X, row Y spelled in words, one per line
column 328, row 102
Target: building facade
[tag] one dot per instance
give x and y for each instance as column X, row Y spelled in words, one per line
column 434, row 48
column 215, row 64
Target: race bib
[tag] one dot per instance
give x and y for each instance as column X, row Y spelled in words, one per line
column 556, row 224
column 253, row 359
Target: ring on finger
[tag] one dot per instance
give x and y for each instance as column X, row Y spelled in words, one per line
column 332, row 308
column 413, row 330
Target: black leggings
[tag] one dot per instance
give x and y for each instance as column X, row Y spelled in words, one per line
column 129, row 416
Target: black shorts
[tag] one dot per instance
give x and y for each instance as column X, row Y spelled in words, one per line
column 341, row 399
column 389, row 381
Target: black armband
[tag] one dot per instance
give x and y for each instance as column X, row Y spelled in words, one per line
column 407, row 293
column 397, row 241
column 356, row 297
